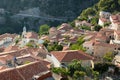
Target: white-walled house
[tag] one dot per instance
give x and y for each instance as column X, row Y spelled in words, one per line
column 104, row 18
column 62, row 58
column 102, row 21
column 104, row 14
column 7, row 39
column 82, row 23
column 53, row 60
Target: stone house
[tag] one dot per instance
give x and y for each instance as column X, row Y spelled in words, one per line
column 100, row 49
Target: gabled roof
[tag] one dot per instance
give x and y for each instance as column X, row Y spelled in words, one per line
column 17, row 53
column 64, row 26
column 7, row 35
column 31, row 35
column 11, row 48
column 67, row 56
column 103, row 20
column 25, row 72
column 105, row 45
column 118, row 32
column 116, row 18
column 5, row 58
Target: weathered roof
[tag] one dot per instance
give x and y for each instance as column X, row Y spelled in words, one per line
column 67, row 56
column 11, row 48
column 7, row 35
column 25, row 72
column 31, row 35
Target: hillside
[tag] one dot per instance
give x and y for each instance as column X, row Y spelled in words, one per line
column 112, row 6
column 10, row 9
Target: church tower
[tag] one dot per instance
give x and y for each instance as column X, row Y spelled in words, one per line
column 24, row 32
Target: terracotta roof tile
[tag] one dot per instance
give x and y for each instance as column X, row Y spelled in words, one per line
column 64, row 26
column 7, row 35
column 67, row 56
column 17, row 53
column 105, row 44
column 31, row 35
column 103, row 19
column 116, row 18
column 118, row 32
column 11, row 48
column 25, row 72
column 4, row 58
column 65, row 48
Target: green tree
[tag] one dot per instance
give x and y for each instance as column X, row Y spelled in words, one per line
column 58, row 47
column 102, row 67
column 108, row 56
column 44, row 29
column 75, row 65
column 97, row 28
column 78, row 44
column 54, row 47
column 119, row 2
column 94, row 20
column 79, row 75
column 95, row 75
column 29, row 44
column 85, row 27
column 46, row 43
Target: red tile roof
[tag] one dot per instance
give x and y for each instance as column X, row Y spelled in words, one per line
column 3, row 67
column 27, row 59
column 67, row 56
column 25, row 72
column 5, row 58
column 31, row 35
column 64, row 26
column 65, row 48
column 7, row 35
column 11, row 48
column 118, row 32
column 105, row 45
column 116, row 18
column 49, row 74
column 53, row 29
column 103, row 19
column 17, row 53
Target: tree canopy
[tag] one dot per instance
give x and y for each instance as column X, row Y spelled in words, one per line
column 78, row 44
column 44, row 29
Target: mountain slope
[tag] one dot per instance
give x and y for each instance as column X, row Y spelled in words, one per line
column 112, row 6
column 52, row 8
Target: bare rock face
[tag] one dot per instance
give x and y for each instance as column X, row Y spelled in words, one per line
column 11, row 10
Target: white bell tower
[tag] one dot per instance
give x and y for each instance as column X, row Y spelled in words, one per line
column 24, row 31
